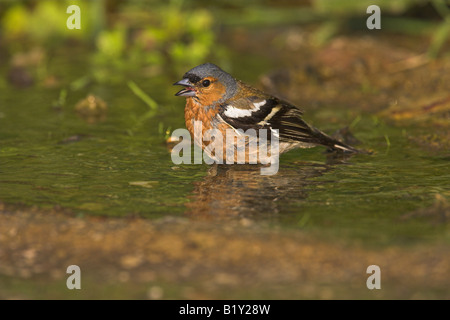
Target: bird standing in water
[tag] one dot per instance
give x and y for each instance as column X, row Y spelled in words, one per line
column 221, row 102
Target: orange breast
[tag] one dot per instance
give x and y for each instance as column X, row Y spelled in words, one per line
column 196, row 112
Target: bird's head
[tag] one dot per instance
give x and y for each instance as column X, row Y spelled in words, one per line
column 207, row 84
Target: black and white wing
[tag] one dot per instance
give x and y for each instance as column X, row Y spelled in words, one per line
column 270, row 113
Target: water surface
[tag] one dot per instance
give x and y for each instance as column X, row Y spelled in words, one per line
column 121, row 166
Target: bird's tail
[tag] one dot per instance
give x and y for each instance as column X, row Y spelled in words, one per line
column 345, row 147
column 325, row 140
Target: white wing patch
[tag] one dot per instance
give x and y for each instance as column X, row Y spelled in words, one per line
column 259, row 104
column 233, row 112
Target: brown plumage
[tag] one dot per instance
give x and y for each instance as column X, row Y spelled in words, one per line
column 221, row 102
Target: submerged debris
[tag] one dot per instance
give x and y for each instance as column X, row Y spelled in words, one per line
column 72, row 139
column 20, row 77
column 92, row 109
column 437, row 213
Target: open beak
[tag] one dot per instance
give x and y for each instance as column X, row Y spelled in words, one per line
column 188, row 90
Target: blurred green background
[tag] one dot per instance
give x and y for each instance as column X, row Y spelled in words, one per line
column 154, row 37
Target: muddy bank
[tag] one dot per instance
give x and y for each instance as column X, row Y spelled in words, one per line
column 181, row 258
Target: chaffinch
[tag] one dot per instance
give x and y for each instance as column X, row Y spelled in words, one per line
column 221, row 102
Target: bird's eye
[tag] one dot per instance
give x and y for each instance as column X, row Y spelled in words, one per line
column 206, row 83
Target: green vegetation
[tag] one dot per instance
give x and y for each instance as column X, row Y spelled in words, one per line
column 152, row 38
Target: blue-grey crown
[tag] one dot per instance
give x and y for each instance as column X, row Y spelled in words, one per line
column 211, row 70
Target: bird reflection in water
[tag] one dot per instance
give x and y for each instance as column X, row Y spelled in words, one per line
column 241, row 191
